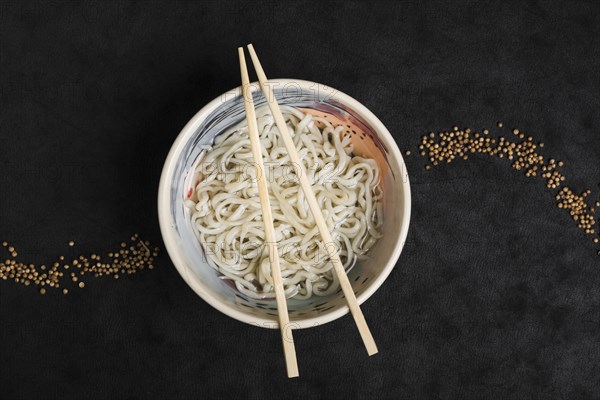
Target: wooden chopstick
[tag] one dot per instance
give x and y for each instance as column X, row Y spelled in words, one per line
column 359, row 318
column 263, row 191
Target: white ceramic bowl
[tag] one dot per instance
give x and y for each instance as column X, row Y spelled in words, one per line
column 370, row 137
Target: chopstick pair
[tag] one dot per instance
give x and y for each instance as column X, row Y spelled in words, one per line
column 286, row 334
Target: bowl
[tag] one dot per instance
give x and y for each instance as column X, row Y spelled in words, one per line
column 369, row 136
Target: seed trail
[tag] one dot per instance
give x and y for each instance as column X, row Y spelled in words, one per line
column 445, row 147
column 121, row 261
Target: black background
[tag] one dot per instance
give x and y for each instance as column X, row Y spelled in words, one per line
column 496, row 294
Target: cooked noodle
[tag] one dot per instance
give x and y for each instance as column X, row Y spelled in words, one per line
column 225, row 207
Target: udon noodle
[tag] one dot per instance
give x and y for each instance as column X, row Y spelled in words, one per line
column 226, row 216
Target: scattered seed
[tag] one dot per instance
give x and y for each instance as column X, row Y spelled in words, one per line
column 448, row 146
column 127, row 262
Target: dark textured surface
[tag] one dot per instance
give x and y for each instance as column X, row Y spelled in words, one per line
column 496, row 294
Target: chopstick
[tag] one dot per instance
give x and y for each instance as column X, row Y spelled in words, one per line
column 263, row 191
column 359, row 318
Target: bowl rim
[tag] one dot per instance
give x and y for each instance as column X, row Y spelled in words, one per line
column 164, row 206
